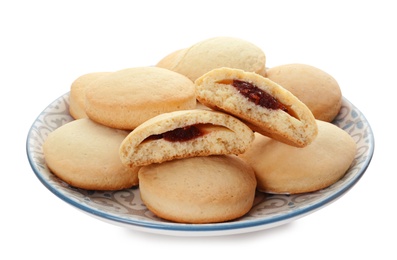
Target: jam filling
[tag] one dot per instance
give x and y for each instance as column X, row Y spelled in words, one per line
column 258, row 96
column 180, row 134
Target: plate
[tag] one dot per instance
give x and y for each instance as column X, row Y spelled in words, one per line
column 125, row 207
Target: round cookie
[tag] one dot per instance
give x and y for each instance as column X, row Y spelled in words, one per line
column 284, row 169
column 314, row 87
column 85, row 155
column 124, row 99
column 215, row 53
column 77, row 93
column 169, row 61
column 198, row 189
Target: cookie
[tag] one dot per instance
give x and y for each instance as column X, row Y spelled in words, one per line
column 261, row 103
column 77, row 93
column 169, row 61
column 313, row 86
column 85, row 155
column 182, row 134
column 198, row 189
column 126, row 98
column 213, row 53
column 281, row 168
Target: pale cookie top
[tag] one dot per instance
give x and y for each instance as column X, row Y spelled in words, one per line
column 282, row 168
column 124, row 99
column 199, row 189
column 215, row 53
column 85, row 155
column 77, row 93
column 313, row 86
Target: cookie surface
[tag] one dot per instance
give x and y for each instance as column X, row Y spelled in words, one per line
column 215, row 53
column 264, row 105
column 282, row 168
column 124, row 99
column 85, row 155
column 198, row 189
column 77, row 93
column 182, row 134
column 314, row 87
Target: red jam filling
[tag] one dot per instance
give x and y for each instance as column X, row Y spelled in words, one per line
column 182, row 134
column 258, row 96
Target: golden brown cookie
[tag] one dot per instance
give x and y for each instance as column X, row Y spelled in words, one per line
column 314, row 87
column 215, row 53
column 281, row 168
column 182, row 134
column 85, row 155
column 198, row 189
column 124, row 99
column 264, row 105
column 77, row 93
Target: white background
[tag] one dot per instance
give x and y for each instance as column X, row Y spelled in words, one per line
column 45, row 45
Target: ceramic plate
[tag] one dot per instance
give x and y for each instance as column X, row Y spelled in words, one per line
column 125, row 207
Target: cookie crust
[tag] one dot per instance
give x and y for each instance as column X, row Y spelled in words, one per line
column 213, row 53
column 124, row 99
column 199, row 189
column 314, row 87
column 85, row 155
column 284, row 169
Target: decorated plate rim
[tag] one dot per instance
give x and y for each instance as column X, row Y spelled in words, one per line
column 349, row 119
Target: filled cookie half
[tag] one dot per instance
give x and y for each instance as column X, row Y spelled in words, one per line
column 182, row 134
column 261, row 103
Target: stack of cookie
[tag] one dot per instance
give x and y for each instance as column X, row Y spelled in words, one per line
column 202, row 131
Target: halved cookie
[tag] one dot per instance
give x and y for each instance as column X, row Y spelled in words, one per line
column 182, row 134
column 261, row 103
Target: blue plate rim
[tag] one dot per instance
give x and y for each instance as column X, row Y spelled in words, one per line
column 225, row 226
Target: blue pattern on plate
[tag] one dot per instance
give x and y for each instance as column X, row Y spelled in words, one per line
column 126, row 208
